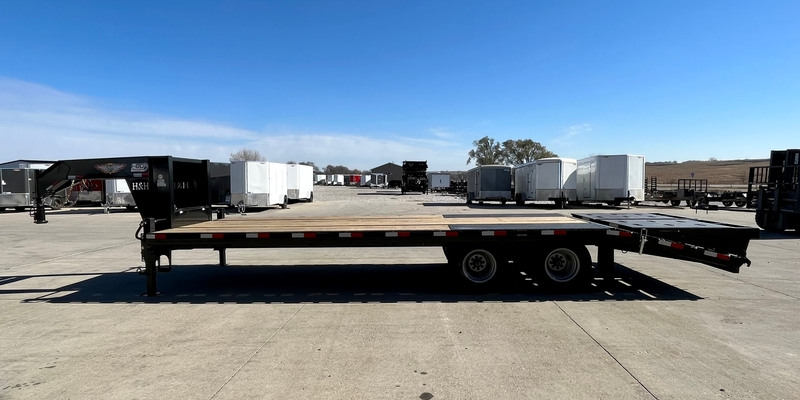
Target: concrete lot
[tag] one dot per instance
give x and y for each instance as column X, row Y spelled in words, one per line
column 381, row 323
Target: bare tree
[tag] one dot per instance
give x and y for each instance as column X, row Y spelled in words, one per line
column 486, row 152
column 516, row 152
column 247, row 155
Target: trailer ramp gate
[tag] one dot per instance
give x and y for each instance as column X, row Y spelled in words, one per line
column 716, row 244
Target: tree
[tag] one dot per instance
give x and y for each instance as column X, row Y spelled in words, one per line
column 486, row 152
column 247, row 155
column 516, row 152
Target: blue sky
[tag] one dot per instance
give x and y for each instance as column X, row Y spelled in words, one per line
column 361, row 83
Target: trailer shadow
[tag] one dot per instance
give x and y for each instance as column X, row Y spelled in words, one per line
column 333, row 284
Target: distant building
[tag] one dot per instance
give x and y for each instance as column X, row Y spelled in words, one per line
column 394, row 173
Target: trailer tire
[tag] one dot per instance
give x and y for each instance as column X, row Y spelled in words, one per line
column 675, row 203
column 740, row 203
column 727, row 203
column 56, row 202
column 564, row 267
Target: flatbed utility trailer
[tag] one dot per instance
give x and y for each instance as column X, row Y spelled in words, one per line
column 479, row 248
column 694, row 192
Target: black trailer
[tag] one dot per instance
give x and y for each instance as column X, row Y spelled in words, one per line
column 174, row 202
column 694, row 192
column 415, row 177
column 774, row 191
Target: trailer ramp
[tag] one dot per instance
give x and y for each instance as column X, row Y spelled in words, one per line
column 716, row 244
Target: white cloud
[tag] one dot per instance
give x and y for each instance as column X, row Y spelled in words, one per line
column 46, row 124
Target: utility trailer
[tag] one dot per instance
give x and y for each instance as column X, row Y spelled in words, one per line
column 611, row 179
column 415, row 177
column 547, row 179
column 173, row 199
column 118, row 194
column 694, row 192
column 439, row 182
column 300, row 182
column 258, row 184
column 774, row 191
column 489, row 183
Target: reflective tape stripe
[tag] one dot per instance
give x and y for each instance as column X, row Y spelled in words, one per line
column 717, row 255
column 351, row 234
column 212, row 236
column 445, row 233
column 554, row 232
column 668, row 243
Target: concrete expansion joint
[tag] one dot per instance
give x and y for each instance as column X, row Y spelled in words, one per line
column 606, row 350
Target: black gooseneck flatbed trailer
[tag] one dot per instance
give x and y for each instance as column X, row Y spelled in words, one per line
column 173, row 198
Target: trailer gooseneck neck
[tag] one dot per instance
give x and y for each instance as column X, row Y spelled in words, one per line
column 173, row 199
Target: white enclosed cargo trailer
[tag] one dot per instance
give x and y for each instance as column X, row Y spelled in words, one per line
column 611, row 179
column 118, row 194
column 440, row 182
column 548, row 179
column 258, row 184
column 300, row 182
column 337, row 180
column 489, row 182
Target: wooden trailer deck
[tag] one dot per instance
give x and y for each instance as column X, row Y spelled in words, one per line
column 383, row 223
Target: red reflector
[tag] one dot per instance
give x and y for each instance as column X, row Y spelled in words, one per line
column 724, row 257
column 263, row 235
column 678, row 246
column 161, row 236
column 625, row 234
column 357, row 234
column 217, row 236
column 500, row 233
column 309, row 235
column 403, row 234
column 560, row 232
column 451, row 233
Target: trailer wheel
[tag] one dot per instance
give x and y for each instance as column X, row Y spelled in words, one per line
column 478, row 268
column 740, row 203
column 565, row 267
column 56, row 202
column 675, row 203
column 727, row 203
